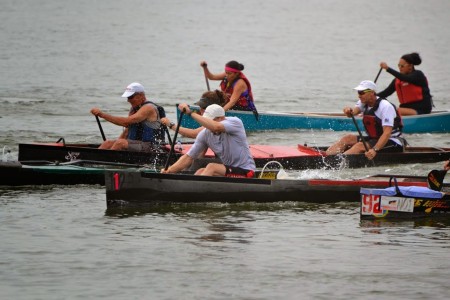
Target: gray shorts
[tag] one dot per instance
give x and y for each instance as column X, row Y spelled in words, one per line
column 139, row 146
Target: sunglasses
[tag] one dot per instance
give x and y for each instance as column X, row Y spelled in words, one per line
column 363, row 92
column 401, row 66
column 132, row 96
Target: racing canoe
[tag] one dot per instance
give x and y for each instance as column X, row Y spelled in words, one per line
column 437, row 121
column 131, row 188
column 14, row 173
column 297, row 157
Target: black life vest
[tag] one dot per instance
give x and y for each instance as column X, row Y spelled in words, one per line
column 147, row 131
column 373, row 124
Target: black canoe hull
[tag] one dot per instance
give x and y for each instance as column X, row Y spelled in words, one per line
column 64, row 153
column 125, row 189
column 14, row 174
column 90, row 152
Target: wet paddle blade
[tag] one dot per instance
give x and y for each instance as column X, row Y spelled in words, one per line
column 436, row 179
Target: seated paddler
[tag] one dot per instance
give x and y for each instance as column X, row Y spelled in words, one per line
column 141, row 128
column 235, row 85
column 226, row 137
column 382, row 123
column 208, row 98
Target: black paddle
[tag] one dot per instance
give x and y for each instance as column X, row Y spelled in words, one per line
column 206, row 78
column 359, row 132
column 436, row 179
column 207, row 83
column 172, row 146
column 101, row 129
column 378, row 75
column 166, row 130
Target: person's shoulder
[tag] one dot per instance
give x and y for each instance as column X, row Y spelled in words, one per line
column 386, row 105
column 233, row 120
column 384, row 101
column 149, row 105
column 233, row 123
column 418, row 74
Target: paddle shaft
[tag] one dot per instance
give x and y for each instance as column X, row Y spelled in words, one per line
column 101, row 129
column 172, row 147
column 207, row 83
column 359, row 132
column 204, row 65
column 378, row 75
column 168, row 134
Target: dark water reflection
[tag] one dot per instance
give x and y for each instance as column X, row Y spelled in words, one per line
column 417, row 223
column 214, row 209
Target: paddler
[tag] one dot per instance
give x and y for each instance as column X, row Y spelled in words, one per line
column 208, row 98
column 381, row 120
column 235, row 85
column 226, row 137
column 142, row 127
column 411, row 86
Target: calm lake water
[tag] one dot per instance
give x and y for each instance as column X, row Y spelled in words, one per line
column 61, row 58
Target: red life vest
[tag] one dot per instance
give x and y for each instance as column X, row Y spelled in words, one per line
column 373, row 124
column 246, row 98
column 408, row 92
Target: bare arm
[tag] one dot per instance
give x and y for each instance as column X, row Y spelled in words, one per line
column 212, row 125
column 209, row 75
column 447, row 165
column 384, row 138
column 349, row 111
column 181, row 164
column 186, row 132
column 124, row 134
column 142, row 114
column 190, row 133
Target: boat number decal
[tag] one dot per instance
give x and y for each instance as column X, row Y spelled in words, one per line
column 370, row 205
column 379, row 206
column 116, row 181
column 72, row 156
column 397, row 204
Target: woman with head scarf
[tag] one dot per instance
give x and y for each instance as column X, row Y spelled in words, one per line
column 235, row 85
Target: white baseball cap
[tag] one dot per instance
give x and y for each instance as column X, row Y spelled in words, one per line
column 213, row 111
column 133, row 88
column 366, row 85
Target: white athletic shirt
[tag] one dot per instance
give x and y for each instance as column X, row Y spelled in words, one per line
column 230, row 146
column 386, row 113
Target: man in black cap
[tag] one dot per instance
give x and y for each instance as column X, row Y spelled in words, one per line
column 208, row 98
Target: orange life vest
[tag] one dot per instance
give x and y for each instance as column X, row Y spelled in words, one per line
column 408, row 92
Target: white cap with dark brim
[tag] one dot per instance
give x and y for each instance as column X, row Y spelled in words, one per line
column 366, row 85
column 133, row 88
column 214, row 111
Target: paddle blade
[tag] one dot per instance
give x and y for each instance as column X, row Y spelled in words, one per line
column 436, row 179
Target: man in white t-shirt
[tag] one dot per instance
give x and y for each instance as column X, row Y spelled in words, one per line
column 226, row 137
column 382, row 123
